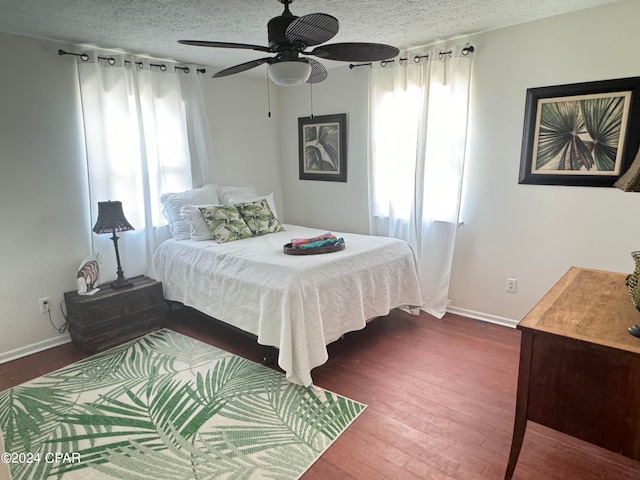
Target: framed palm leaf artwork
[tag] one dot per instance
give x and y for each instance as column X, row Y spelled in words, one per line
column 580, row 134
column 322, row 142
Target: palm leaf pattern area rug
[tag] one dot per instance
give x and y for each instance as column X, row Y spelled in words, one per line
column 166, row 406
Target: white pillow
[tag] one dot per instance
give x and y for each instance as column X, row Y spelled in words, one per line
column 269, row 198
column 240, row 191
column 198, row 229
column 172, row 203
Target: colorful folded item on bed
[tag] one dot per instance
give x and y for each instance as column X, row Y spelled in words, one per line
column 324, row 240
column 296, row 242
column 329, row 242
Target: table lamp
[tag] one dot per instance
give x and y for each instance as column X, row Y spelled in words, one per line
column 111, row 220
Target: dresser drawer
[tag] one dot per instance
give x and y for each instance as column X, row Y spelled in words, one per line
column 112, row 307
column 103, row 314
column 95, row 325
column 140, row 324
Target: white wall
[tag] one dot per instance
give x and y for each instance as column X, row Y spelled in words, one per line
column 336, row 206
column 45, row 225
column 245, row 138
column 46, row 229
column 533, row 233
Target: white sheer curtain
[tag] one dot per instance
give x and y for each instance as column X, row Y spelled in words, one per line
column 418, row 130
column 146, row 133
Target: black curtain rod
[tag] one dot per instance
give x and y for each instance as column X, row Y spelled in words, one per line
column 465, row 51
column 85, row 58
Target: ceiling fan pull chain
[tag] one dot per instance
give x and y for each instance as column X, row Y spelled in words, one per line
column 268, row 96
column 311, row 98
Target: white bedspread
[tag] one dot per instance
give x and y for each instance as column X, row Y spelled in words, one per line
column 297, row 303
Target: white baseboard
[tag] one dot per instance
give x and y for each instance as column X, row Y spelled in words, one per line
column 485, row 317
column 34, row 348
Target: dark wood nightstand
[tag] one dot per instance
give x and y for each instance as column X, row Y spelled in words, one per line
column 114, row 316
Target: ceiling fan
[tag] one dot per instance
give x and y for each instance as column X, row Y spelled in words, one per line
column 289, row 36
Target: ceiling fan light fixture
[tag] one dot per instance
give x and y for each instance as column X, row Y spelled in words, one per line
column 289, row 73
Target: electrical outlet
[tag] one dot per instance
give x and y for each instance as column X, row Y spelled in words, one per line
column 44, row 304
column 512, row 285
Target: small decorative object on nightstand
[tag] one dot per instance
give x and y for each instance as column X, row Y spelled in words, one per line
column 111, row 317
column 111, row 220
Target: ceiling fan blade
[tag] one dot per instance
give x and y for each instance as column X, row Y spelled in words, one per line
column 242, row 67
column 355, row 52
column 318, row 72
column 312, row 29
column 244, row 46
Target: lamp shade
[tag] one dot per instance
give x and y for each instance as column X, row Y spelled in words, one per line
column 111, row 218
column 630, row 181
column 289, row 73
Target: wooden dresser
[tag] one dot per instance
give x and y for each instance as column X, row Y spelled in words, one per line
column 579, row 367
column 113, row 316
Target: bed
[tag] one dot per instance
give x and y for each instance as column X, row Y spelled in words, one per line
column 225, row 259
column 296, row 303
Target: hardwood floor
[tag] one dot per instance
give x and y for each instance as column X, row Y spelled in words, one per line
column 440, row 396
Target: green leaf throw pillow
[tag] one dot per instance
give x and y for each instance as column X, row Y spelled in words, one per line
column 225, row 222
column 259, row 217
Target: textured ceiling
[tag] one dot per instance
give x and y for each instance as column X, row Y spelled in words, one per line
column 152, row 27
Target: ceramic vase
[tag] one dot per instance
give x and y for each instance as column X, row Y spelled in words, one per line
column 633, row 281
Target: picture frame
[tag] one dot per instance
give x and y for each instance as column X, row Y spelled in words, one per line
column 582, row 134
column 322, row 143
